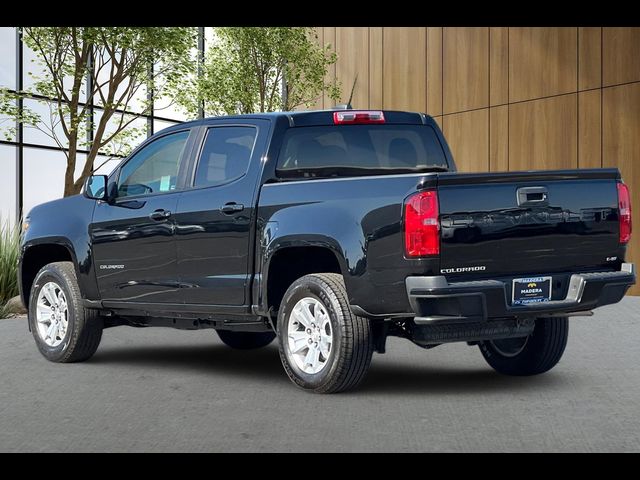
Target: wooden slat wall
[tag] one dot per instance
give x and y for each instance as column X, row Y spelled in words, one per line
column 404, row 54
column 434, row 70
column 466, row 69
column 507, row 98
column 540, row 133
column 498, row 66
column 352, row 45
column 542, row 62
column 470, row 155
column 620, row 55
column 375, row 67
column 499, row 139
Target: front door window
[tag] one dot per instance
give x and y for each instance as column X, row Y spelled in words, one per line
column 154, row 169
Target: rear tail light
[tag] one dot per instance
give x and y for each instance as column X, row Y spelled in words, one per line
column 421, row 226
column 624, row 213
column 352, row 117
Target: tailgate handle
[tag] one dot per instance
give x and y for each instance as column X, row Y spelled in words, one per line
column 533, row 196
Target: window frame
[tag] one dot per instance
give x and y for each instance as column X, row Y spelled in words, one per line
column 182, row 164
column 198, row 153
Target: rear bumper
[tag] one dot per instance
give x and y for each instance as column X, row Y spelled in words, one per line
column 434, row 300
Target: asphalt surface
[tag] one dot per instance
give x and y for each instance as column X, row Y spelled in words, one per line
column 160, row 389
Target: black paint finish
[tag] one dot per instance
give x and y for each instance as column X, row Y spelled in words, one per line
column 360, row 220
column 574, row 229
column 134, row 254
column 64, row 225
column 209, row 258
column 215, row 232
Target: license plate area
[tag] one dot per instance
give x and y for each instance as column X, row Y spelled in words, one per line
column 530, row 290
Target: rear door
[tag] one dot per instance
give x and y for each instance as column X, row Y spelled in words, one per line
column 528, row 222
column 215, row 215
column 133, row 237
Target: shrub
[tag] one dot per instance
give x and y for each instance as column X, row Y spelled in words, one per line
column 9, row 252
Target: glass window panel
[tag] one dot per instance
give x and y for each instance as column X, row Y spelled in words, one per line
column 370, row 149
column 7, row 183
column 43, row 179
column 164, row 105
column 104, row 165
column 166, row 108
column 7, row 127
column 31, row 68
column 34, row 70
column 154, row 168
column 137, row 102
column 48, row 127
column 80, row 159
column 208, row 36
column 225, row 155
column 8, row 57
column 159, row 125
column 136, row 133
column 43, row 175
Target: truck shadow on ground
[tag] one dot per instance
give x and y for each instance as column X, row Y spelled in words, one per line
column 387, row 376
column 403, row 378
column 218, row 360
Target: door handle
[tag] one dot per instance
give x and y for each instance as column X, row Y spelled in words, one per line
column 232, row 207
column 160, row 214
column 534, row 196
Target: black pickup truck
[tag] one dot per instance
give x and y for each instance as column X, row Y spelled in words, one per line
column 331, row 230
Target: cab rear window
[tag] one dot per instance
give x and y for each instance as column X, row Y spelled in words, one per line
column 346, row 150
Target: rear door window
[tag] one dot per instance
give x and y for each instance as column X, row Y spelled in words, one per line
column 225, row 155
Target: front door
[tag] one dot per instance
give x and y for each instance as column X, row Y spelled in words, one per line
column 133, row 236
column 214, row 216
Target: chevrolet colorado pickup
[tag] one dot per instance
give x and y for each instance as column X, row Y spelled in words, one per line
column 330, row 230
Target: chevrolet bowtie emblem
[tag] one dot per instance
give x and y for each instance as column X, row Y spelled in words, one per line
column 532, row 284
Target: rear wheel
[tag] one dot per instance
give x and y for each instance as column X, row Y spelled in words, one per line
column 532, row 355
column 246, row 340
column 324, row 347
column 63, row 329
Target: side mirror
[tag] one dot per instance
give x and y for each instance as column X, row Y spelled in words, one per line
column 95, row 187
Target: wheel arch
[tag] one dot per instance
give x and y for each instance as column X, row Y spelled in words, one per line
column 36, row 255
column 291, row 259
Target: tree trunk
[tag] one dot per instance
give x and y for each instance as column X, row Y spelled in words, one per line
column 69, row 184
column 71, row 187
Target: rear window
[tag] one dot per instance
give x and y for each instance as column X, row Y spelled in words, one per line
column 359, row 150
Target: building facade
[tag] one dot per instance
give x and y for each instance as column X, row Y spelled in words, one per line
column 507, row 98
column 32, row 165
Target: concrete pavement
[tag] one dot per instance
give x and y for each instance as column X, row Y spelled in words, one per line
column 159, row 389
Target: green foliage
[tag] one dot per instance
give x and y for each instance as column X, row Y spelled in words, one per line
column 9, row 252
column 245, row 67
column 118, row 61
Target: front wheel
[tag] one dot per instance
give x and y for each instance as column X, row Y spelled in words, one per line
column 324, row 347
column 532, row 355
column 63, row 329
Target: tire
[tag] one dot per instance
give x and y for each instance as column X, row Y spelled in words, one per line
column 246, row 340
column 342, row 363
column 537, row 353
column 83, row 331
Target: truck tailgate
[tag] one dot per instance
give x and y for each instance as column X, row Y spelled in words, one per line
column 528, row 222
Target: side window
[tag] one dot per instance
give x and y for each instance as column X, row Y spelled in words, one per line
column 225, row 155
column 154, row 168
